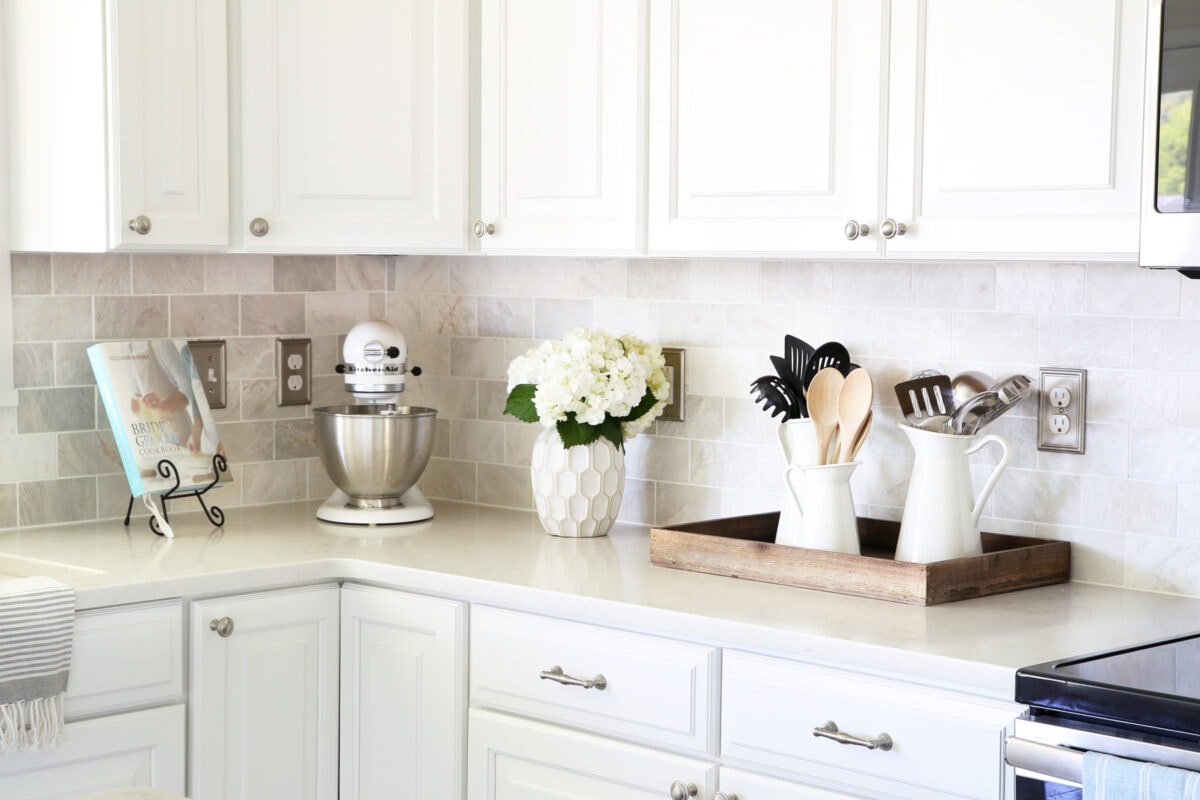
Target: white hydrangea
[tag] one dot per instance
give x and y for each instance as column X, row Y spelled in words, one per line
column 593, row 375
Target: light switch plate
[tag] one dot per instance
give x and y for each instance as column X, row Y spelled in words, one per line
column 674, row 410
column 1062, row 410
column 293, row 365
column 209, row 358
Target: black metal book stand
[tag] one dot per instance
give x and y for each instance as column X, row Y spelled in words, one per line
column 167, row 469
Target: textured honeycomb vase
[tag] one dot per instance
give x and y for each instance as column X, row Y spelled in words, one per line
column 577, row 491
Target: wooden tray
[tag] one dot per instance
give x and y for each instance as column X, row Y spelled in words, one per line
column 743, row 547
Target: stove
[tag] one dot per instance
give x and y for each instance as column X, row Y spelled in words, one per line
column 1140, row 702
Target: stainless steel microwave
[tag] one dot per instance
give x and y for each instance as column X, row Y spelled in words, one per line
column 1170, row 205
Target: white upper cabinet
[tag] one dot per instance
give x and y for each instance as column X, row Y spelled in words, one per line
column 765, row 125
column 1016, row 128
column 170, row 124
column 149, row 149
column 1009, row 129
column 561, row 118
column 353, row 125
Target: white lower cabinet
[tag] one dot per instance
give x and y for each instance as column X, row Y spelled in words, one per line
column 264, row 696
column 403, row 709
column 736, row 784
column 897, row 739
column 516, row 759
column 139, row 748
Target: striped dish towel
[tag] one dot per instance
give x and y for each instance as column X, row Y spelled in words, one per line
column 37, row 621
column 1108, row 777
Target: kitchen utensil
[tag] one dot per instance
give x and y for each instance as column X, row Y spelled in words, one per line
column 784, row 371
column 796, row 352
column 925, row 397
column 854, row 406
column 775, row 395
column 374, row 452
column 823, row 394
column 941, row 511
column 861, row 438
column 830, row 354
column 968, row 384
column 967, row 417
column 826, row 519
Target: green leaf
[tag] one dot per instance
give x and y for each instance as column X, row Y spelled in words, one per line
column 572, row 432
column 611, row 429
column 520, row 403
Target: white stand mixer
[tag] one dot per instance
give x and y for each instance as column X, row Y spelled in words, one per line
column 375, row 451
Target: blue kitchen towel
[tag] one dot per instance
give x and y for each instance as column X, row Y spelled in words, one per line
column 37, row 624
column 1112, row 778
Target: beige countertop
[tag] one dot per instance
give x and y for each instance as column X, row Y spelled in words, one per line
column 502, row 557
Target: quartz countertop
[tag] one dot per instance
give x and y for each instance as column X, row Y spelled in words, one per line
column 502, row 557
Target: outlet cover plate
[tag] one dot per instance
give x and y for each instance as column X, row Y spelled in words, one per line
column 208, row 356
column 293, row 364
column 675, row 409
column 1074, row 440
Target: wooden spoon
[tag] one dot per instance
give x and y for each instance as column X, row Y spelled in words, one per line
column 853, row 409
column 861, row 438
column 823, row 394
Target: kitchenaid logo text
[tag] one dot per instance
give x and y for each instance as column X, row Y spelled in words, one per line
column 376, row 369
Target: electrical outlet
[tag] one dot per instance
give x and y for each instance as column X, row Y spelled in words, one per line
column 208, row 356
column 1062, row 410
column 674, row 410
column 293, row 358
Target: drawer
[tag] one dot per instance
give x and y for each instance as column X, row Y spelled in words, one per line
column 126, row 657
column 656, row 690
column 944, row 744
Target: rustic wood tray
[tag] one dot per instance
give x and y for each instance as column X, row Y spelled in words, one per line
column 743, row 547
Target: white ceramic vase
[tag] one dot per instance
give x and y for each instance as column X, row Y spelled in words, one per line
column 577, row 490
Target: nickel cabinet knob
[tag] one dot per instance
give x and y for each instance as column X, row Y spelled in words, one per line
column 480, row 229
column 140, row 225
column 259, row 226
column 854, row 230
column 890, row 229
column 222, row 626
column 723, row 796
column 682, row 791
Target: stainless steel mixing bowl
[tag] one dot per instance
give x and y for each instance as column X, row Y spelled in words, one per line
column 374, row 453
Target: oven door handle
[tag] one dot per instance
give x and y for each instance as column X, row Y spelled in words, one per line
column 1061, row 764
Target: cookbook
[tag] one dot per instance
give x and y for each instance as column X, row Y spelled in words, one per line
column 157, row 409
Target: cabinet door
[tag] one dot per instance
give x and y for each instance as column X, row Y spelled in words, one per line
column 749, row 786
column 515, row 759
column 1012, row 136
column 765, row 125
column 403, row 712
column 264, row 697
column 353, row 123
column 142, row 748
column 169, row 124
column 561, row 118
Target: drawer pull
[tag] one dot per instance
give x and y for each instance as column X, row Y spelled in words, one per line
column 830, row 731
column 723, row 796
column 682, row 791
column 555, row 673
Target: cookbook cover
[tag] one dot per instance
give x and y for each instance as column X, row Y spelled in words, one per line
column 157, row 409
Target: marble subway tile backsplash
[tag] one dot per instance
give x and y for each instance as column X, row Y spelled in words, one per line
column 1130, row 505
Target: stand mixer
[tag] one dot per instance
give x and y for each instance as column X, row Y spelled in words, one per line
column 375, row 451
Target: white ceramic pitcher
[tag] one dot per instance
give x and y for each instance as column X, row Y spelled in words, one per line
column 798, row 440
column 941, row 513
column 824, row 508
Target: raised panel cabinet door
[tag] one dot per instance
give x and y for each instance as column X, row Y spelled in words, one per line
column 515, row 759
column 403, row 710
column 765, row 126
column 1015, row 128
column 353, row 125
column 561, row 117
column 169, row 135
column 139, row 749
column 264, row 696
column 749, row 786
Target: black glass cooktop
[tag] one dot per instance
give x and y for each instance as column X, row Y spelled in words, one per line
column 1153, row 687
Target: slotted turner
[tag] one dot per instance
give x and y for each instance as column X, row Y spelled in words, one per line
column 929, row 396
